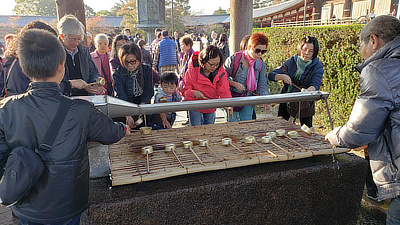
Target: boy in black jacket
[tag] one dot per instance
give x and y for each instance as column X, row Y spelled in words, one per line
column 62, row 191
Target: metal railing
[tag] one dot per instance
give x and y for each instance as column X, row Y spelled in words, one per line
column 326, row 22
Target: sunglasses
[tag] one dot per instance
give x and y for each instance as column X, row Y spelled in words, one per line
column 133, row 62
column 257, row 50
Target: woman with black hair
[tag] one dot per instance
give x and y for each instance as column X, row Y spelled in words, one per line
column 15, row 80
column 133, row 81
column 119, row 40
column 302, row 70
column 205, row 79
column 223, row 45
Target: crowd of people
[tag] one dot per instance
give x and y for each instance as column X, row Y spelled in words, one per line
column 43, row 66
column 130, row 71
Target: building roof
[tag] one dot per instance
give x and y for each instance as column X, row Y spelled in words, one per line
column 203, row 20
column 21, row 21
column 261, row 12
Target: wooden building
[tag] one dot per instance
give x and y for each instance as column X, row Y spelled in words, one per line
column 320, row 12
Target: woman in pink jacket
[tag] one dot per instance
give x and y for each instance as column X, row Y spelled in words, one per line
column 101, row 59
column 205, row 79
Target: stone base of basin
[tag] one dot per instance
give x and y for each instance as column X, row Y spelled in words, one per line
column 314, row 190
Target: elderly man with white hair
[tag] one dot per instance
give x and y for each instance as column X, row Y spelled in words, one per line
column 375, row 118
column 80, row 69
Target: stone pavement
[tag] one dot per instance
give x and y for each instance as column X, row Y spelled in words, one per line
column 6, row 218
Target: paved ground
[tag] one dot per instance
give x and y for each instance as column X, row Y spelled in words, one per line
column 6, row 218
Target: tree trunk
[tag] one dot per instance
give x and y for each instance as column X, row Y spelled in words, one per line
column 74, row 7
column 241, row 22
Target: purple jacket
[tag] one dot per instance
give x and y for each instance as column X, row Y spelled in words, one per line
column 183, row 69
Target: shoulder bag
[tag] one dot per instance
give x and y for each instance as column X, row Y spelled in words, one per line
column 25, row 166
column 307, row 108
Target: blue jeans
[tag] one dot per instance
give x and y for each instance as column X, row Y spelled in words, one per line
column 197, row 118
column 393, row 212
column 73, row 221
column 245, row 114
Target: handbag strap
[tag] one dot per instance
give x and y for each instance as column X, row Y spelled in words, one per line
column 238, row 56
column 104, row 72
column 55, row 126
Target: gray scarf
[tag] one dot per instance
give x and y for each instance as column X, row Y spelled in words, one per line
column 137, row 89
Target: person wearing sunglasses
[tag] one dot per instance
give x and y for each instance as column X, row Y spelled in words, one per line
column 133, row 81
column 303, row 70
column 247, row 75
column 205, row 79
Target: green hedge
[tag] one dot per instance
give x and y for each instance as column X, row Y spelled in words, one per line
column 336, row 53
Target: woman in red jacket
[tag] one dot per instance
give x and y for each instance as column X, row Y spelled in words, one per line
column 205, row 79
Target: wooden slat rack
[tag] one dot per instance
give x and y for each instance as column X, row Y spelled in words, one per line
column 129, row 166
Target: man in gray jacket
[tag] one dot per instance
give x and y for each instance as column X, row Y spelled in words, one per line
column 375, row 119
column 80, row 69
column 62, row 191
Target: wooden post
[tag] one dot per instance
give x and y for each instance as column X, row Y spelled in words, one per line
column 347, row 8
column 74, row 7
column 241, row 22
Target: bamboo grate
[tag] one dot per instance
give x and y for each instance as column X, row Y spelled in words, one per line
column 128, row 165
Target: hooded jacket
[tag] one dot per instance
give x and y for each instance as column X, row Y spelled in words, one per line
column 195, row 81
column 62, row 191
column 375, row 118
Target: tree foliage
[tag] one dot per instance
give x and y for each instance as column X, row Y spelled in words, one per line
column 117, row 7
column 220, row 11
column 89, row 11
column 337, row 55
column 42, row 8
column 261, row 3
column 35, row 7
column 104, row 13
column 181, row 8
column 129, row 13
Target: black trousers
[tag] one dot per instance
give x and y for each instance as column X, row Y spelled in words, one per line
column 284, row 113
column 369, row 180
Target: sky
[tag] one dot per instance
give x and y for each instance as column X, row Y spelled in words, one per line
column 205, row 7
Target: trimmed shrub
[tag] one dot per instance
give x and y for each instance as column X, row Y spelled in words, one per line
column 338, row 56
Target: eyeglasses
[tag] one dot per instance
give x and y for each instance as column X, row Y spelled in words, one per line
column 74, row 39
column 358, row 48
column 213, row 65
column 133, row 62
column 257, row 50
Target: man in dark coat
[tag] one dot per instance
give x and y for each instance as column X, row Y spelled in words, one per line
column 80, row 70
